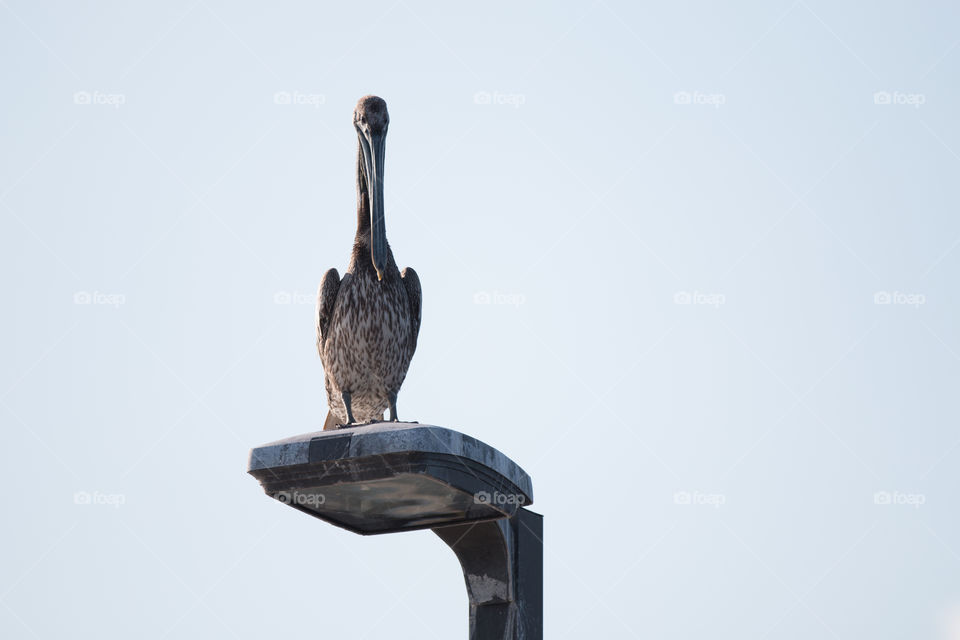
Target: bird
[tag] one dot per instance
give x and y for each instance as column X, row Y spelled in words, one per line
column 368, row 321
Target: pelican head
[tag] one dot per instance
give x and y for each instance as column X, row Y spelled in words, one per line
column 371, row 120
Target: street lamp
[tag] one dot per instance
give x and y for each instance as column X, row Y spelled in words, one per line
column 391, row 477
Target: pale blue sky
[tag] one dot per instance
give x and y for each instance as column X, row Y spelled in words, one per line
column 683, row 214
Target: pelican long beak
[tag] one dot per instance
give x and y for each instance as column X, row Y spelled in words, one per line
column 374, row 145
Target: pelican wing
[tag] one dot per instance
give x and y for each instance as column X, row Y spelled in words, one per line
column 411, row 281
column 326, row 297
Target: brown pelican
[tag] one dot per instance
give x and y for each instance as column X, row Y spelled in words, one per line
column 368, row 322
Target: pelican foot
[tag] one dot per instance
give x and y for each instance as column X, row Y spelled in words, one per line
column 359, row 424
column 345, row 396
column 392, row 399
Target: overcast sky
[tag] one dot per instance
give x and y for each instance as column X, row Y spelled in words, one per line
column 693, row 266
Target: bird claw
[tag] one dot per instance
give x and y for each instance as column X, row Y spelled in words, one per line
column 351, row 425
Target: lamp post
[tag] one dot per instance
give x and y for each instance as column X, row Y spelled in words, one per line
column 392, row 477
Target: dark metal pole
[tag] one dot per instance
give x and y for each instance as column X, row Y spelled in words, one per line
column 502, row 563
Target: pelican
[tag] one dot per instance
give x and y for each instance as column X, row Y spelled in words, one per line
column 368, row 321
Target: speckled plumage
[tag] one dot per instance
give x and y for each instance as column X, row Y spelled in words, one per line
column 368, row 322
